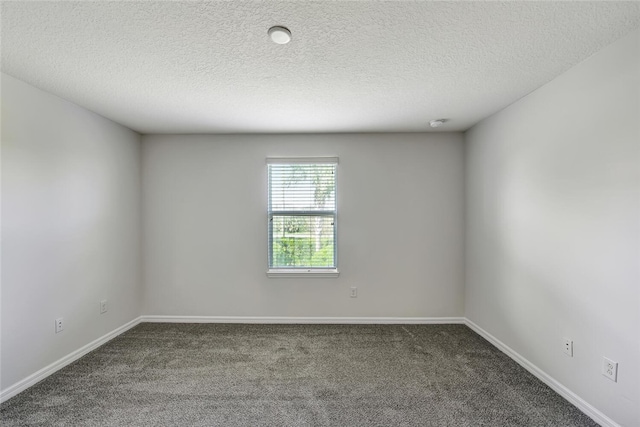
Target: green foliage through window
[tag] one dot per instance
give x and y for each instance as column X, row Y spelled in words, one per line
column 302, row 241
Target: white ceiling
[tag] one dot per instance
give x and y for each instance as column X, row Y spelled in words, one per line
column 357, row 66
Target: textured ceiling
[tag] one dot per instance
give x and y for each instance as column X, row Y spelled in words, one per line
column 362, row 66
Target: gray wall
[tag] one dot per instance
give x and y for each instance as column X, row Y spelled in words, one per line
column 70, row 228
column 400, row 226
column 553, row 230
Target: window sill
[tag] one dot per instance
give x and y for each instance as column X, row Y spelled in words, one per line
column 316, row 273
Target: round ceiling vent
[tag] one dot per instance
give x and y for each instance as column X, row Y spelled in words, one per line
column 280, row 35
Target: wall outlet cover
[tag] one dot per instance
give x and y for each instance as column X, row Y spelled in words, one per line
column 59, row 325
column 610, row 369
column 567, row 346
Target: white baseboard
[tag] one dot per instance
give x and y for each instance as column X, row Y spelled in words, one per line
column 563, row 391
column 24, row 384
column 303, row 320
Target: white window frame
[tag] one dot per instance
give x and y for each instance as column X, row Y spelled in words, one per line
column 317, row 272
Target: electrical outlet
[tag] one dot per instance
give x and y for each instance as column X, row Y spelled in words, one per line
column 568, row 346
column 354, row 292
column 59, row 324
column 610, row 369
column 103, row 306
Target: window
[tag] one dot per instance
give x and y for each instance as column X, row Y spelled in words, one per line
column 302, row 217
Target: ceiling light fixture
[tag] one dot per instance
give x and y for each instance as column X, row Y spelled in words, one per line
column 280, row 35
column 437, row 123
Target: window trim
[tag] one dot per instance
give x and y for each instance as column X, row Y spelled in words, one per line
column 302, row 160
column 293, row 273
column 305, row 272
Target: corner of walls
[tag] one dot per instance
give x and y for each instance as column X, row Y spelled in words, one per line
column 141, row 231
column 144, row 222
column 465, row 215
